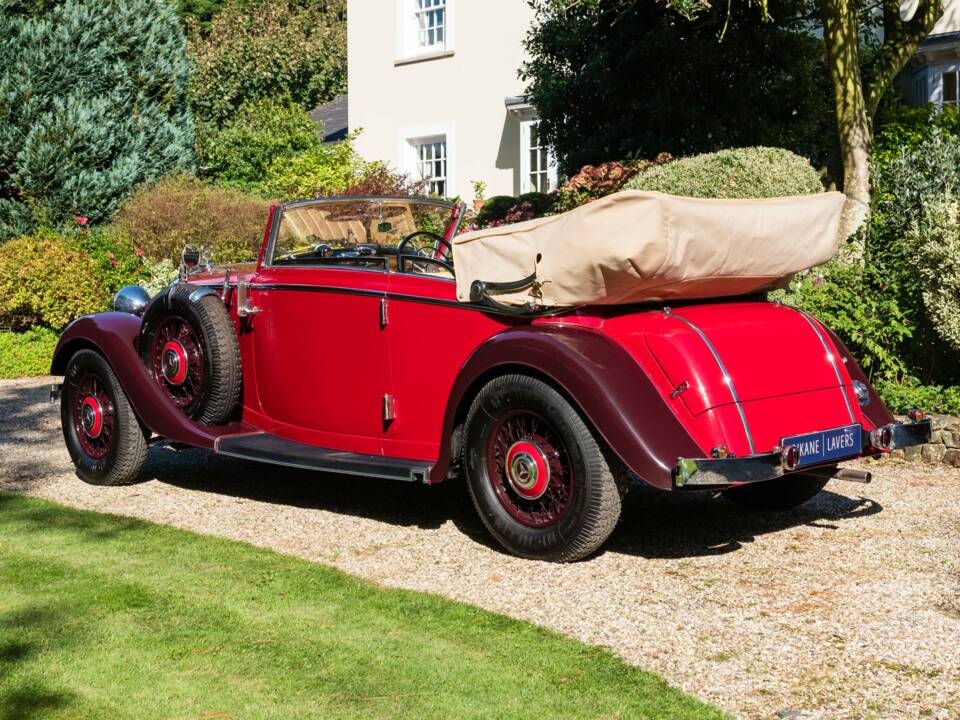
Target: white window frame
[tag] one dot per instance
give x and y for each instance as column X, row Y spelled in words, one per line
column 409, row 48
column 408, row 160
column 949, row 70
column 526, row 126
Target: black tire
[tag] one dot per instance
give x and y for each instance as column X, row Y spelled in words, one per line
column 115, row 456
column 778, row 495
column 211, row 352
column 580, row 503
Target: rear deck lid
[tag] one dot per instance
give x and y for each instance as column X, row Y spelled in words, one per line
column 741, row 352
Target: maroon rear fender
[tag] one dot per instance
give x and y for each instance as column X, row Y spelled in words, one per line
column 601, row 379
column 113, row 335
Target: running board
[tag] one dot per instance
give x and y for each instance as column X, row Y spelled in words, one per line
column 267, row 448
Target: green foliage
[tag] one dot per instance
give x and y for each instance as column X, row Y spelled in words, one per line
column 861, row 306
column 629, row 80
column 92, row 102
column 28, row 353
column 261, row 132
column 119, row 261
column 321, row 170
column 903, row 396
column 163, row 217
column 227, row 629
column 47, row 280
column 901, row 128
column 752, row 172
column 272, row 49
column 935, row 238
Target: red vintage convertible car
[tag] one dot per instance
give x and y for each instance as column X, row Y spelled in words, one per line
column 345, row 348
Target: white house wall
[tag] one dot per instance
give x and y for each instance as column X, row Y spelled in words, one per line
column 459, row 91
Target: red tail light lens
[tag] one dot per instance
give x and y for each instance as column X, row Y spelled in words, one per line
column 791, row 457
column 881, row 437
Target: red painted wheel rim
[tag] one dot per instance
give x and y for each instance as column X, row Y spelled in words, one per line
column 177, row 360
column 94, row 419
column 529, row 468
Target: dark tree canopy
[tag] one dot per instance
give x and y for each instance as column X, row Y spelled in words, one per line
column 618, row 80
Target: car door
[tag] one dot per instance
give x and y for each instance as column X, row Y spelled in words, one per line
column 431, row 336
column 320, row 351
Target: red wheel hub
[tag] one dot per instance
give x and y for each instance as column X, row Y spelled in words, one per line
column 177, row 361
column 527, row 469
column 93, row 416
column 530, row 469
column 173, row 362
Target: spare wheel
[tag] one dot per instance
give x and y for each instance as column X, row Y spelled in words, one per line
column 190, row 348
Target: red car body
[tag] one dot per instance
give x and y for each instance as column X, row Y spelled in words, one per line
column 381, row 367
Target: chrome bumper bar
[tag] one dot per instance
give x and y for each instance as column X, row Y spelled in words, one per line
column 708, row 473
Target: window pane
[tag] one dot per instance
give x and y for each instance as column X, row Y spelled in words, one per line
column 950, row 87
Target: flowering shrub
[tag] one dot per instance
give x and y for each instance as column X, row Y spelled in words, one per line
column 594, row 182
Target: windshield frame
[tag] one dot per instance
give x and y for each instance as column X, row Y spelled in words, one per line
column 452, row 229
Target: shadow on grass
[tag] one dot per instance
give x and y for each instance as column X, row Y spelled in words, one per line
column 25, row 698
column 655, row 524
column 90, row 525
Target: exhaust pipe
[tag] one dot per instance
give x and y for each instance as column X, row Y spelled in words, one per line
column 849, row 474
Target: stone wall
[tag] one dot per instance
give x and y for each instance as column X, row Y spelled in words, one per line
column 944, row 445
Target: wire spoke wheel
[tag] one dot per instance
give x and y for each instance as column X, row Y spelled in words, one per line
column 530, row 469
column 94, row 417
column 177, row 361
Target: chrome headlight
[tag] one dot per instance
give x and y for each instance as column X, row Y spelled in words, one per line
column 862, row 392
column 131, row 299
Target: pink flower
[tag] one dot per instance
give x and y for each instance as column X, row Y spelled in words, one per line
column 114, row 263
column 110, row 255
column 139, row 252
column 81, row 220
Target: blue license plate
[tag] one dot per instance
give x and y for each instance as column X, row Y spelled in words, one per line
column 825, row 445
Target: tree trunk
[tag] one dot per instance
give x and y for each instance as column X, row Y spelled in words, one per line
column 854, row 121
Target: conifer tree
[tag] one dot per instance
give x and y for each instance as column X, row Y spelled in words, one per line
column 93, row 101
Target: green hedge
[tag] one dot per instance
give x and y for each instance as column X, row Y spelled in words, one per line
column 27, row 353
column 752, row 172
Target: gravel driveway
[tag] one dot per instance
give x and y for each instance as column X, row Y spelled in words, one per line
column 846, row 608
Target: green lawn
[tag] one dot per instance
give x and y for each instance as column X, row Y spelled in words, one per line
column 107, row 617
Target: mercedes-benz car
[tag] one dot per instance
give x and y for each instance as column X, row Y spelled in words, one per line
column 345, row 349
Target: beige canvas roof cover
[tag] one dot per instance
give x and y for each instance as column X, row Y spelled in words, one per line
column 638, row 246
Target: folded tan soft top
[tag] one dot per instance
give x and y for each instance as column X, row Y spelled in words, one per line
column 638, row 246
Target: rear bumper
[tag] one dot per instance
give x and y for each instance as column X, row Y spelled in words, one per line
column 709, row 473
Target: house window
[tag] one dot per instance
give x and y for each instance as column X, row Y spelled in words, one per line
column 537, row 166
column 431, row 23
column 424, row 30
column 432, row 164
column 949, row 96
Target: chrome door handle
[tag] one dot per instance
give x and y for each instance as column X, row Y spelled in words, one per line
column 244, row 308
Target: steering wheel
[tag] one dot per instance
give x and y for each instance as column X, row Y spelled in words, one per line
column 431, row 252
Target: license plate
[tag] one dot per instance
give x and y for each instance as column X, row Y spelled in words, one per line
column 825, row 445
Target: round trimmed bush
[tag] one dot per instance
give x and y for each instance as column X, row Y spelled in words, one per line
column 46, row 280
column 752, row 172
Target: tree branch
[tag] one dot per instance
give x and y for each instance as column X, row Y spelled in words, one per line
column 901, row 38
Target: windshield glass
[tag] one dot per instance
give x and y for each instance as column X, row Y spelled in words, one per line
column 364, row 231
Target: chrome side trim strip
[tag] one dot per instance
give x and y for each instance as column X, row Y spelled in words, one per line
column 726, row 378
column 831, row 356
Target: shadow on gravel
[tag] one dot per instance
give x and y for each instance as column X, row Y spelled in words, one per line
column 399, row 503
column 28, row 424
column 655, row 524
